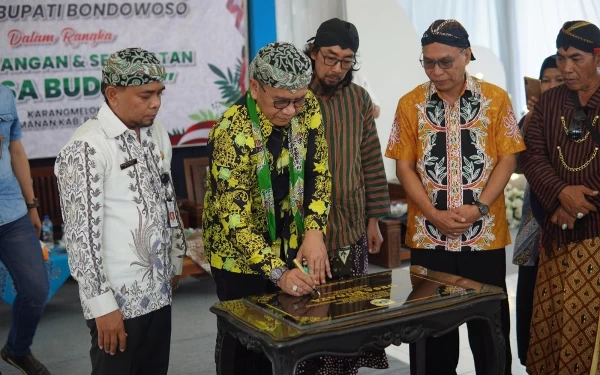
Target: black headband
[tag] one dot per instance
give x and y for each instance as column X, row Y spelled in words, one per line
column 336, row 32
column 582, row 35
column 448, row 32
column 549, row 63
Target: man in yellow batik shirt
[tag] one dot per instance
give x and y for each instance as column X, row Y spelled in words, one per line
column 268, row 192
column 454, row 139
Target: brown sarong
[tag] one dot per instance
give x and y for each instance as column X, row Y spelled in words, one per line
column 346, row 262
column 566, row 311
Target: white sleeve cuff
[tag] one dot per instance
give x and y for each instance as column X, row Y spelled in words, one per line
column 177, row 265
column 102, row 304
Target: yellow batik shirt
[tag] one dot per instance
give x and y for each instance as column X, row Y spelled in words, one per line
column 236, row 236
column 456, row 147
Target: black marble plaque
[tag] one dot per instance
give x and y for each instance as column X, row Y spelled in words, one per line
column 354, row 301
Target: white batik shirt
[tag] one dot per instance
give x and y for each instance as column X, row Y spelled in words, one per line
column 114, row 192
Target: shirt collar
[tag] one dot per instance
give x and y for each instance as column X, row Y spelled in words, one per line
column 593, row 103
column 110, row 123
column 472, row 85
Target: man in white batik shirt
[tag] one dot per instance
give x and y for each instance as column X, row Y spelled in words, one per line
column 123, row 231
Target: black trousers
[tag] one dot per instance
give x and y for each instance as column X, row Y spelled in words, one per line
column 525, row 292
column 147, row 351
column 237, row 360
column 487, row 267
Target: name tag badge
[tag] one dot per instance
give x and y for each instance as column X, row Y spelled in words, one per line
column 128, row 164
column 173, row 223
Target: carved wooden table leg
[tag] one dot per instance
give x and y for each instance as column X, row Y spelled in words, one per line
column 496, row 349
column 221, row 345
column 282, row 362
column 417, row 357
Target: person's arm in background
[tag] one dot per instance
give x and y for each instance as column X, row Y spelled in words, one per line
column 19, row 161
column 377, row 197
column 524, row 125
column 20, row 167
column 524, row 119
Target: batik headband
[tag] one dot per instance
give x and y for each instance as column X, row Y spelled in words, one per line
column 132, row 67
column 583, row 35
column 448, row 32
column 282, row 66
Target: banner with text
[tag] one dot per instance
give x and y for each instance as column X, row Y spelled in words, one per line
column 52, row 52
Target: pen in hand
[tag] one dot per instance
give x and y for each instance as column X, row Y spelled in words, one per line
column 299, row 266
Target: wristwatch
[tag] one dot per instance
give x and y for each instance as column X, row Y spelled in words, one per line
column 277, row 273
column 483, row 208
column 35, row 204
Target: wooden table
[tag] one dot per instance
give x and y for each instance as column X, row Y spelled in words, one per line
column 345, row 320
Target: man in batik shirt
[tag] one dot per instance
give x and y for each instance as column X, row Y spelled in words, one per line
column 123, row 231
column 563, row 168
column 359, row 189
column 455, row 140
column 268, row 193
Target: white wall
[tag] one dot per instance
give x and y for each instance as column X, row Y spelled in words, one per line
column 388, row 56
column 389, row 50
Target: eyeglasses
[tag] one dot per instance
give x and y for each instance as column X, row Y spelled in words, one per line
column 332, row 61
column 284, row 103
column 575, row 131
column 445, row 63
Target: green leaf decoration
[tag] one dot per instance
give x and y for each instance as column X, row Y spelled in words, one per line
column 228, row 83
column 217, row 71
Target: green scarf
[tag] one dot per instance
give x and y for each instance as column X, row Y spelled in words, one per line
column 263, row 170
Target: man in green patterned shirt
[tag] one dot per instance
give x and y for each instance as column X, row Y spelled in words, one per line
column 269, row 189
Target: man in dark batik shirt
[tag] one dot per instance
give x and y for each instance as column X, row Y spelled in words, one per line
column 563, row 168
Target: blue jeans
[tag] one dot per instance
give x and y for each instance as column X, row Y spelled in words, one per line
column 22, row 256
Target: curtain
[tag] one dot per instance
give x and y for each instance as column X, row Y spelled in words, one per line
column 522, row 33
column 298, row 20
column 537, row 23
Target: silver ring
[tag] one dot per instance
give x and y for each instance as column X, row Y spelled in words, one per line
column 580, row 215
column 564, row 227
column 295, row 287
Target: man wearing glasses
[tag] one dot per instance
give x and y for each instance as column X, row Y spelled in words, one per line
column 454, row 139
column 268, row 191
column 563, row 168
column 359, row 193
